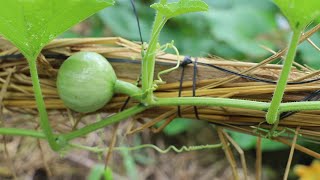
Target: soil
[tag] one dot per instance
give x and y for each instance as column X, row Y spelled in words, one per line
column 27, row 158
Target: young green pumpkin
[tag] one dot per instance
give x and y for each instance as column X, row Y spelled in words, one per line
column 86, row 82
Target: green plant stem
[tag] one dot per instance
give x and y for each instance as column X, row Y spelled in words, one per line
column 148, row 61
column 142, row 146
column 299, row 106
column 128, row 89
column 191, row 101
column 237, row 103
column 22, row 132
column 273, row 112
column 44, row 120
column 204, row 101
column 105, row 122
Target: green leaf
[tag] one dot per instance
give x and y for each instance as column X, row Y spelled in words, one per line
column 31, row 24
column 299, row 12
column 108, row 174
column 121, row 20
column 247, row 142
column 182, row 7
column 269, row 145
column 230, row 26
column 98, row 171
column 310, row 55
column 177, row 126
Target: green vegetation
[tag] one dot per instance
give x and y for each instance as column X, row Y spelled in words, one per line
column 31, row 26
column 227, row 31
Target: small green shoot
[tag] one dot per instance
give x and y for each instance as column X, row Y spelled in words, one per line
column 165, row 11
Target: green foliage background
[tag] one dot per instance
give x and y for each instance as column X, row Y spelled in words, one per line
column 231, row 29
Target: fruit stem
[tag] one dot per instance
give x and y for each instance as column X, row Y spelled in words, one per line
column 123, row 87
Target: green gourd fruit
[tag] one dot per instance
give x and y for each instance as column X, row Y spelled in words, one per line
column 86, row 82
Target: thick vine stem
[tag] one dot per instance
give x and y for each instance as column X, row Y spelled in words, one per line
column 237, row 103
column 22, row 132
column 299, row 106
column 105, row 122
column 188, row 101
column 44, row 120
column 205, row 101
column 273, row 112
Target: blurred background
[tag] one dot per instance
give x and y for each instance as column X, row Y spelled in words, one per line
column 231, row 29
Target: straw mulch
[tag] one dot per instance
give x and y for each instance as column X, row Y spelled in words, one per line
column 18, row 96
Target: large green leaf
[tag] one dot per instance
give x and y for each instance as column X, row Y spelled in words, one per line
column 31, row 24
column 121, row 20
column 178, row 126
column 247, row 142
column 308, row 53
column 299, row 12
column 244, row 30
column 182, row 7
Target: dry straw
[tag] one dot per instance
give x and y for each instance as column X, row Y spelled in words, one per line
column 125, row 58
